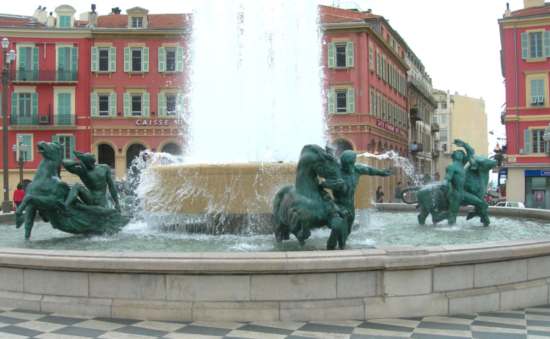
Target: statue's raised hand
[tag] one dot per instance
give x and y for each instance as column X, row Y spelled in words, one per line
column 459, row 142
column 387, row 172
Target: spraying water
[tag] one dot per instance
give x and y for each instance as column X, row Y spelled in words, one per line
column 255, row 81
column 398, row 161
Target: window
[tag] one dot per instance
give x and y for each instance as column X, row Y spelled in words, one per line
column 103, row 59
column 137, row 22
column 340, row 55
column 443, row 135
column 24, row 108
column 67, row 63
column 136, row 59
column 64, row 21
column 23, row 147
column 170, row 59
column 103, row 104
column 537, row 92
column 27, row 63
column 171, row 104
column 537, row 141
column 371, row 58
column 24, row 105
column 64, row 115
column 136, row 104
column 67, row 143
column 341, row 101
column 535, row 44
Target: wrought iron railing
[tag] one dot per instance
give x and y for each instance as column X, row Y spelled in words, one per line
column 44, row 76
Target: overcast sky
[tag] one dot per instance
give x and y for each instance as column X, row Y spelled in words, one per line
column 458, row 41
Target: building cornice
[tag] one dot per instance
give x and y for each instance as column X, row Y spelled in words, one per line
column 363, row 27
column 539, row 20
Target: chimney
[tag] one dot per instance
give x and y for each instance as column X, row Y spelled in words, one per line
column 532, row 3
column 41, row 15
column 50, row 20
column 116, row 10
column 92, row 17
column 507, row 12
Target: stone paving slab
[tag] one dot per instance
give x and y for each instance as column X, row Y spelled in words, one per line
column 18, row 323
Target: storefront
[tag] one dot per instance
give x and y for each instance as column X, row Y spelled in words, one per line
column 537, row 188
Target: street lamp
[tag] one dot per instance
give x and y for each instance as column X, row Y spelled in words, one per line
column 19, row 158
column 9, row 57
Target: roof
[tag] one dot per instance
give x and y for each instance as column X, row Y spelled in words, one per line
column 335, row 15
column 155, row 21
column 18, row 21
column 530, row 12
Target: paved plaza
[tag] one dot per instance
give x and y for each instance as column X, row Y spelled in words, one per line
column 528, row 323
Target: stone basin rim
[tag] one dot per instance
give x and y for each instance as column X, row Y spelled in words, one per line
column 384, row 257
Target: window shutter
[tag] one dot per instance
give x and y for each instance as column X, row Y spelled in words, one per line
column 179, row 59
column 94, row 61
column 526, row 141
column 161, row 60
column 331, row 101
column 126, row 60
column 331, row 55
column 35, row 59
column 145, row 59
column 349, row 54
column 14, row 104
column 94, row 104
column 72, row 145
column 350, row 100
column 55, row 138
column 21, row 58
column 145, row 104
column 34, row 104
column 161, row 103
column 112, row 59
column 127, row 104
column 112, row 104
column 371, row 58
column 74, row 62
column 524, row 45
column 546, row 43
column 180, row 104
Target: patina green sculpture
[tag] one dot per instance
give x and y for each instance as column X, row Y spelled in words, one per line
column 77, row 210
column 307, row 205
column 465, row 184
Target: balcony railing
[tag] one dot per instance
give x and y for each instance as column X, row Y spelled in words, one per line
column 20, row 120
column 64, row 119
column 435, row 127
column 19, row 76
column 416, row 147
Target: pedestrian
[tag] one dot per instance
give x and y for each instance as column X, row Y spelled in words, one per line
column 397, row 194
column 379, row 195
column 18, row 195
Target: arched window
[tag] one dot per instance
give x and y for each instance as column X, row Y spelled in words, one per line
column 171, row 148
column 106, row 155
column 133, row 152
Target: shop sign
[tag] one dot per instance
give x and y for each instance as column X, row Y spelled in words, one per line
column 158, row 122
column 537, row 173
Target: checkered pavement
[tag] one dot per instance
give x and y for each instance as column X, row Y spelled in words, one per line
column 528, row 323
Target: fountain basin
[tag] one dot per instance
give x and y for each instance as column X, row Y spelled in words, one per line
column 389, row 281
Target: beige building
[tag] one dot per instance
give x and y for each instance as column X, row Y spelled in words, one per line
column 462, row 117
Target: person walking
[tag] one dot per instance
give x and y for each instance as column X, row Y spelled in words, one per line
column 379, row 195
column 18, row 195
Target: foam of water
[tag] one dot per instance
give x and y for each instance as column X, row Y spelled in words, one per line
column 255, row 90
column 398, row 161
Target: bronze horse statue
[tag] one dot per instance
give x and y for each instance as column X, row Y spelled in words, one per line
column 298, row 209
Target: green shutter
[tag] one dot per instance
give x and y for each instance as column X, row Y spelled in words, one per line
column 72, row 145
column 94, row 104
column 62, row 59
column 74, row 62
column 127, row 104
column 527, row 141
column 35, row 61
column 14, row 104
column 161, row 60
column 21, row 58
column 94, row 62
column 112, row 104
column 331, row 55
column 350, row 100
column 55, row 138
column 179, row 59
column 546, row 43
column 331, row 101
column 34, row 104
column 524, row 45
column 180, row 104
column 349, row 54
column 112, row 59
column 127, row 59
column 145, row 59
column 145, row 104
column 161, row 103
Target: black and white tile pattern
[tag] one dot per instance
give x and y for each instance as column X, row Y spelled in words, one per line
column 528, row 323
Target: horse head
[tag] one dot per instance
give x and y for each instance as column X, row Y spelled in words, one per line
column 51, row 151
column 321, row 162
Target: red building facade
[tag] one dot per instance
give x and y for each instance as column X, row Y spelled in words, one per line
column 525, row 39
column 366, row 83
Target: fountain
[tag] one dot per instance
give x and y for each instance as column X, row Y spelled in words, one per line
column 203, row 248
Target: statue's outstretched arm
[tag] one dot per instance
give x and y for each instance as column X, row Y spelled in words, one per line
column 112, row 189
column 74, row 167
column 367, row 170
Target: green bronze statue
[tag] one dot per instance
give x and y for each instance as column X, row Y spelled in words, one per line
column 465, row 183
column 77, row 210
column 307, row 205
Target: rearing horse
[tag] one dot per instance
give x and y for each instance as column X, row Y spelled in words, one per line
column 299, row 208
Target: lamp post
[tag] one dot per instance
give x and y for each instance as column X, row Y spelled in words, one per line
column 19, row 158
column 8, row 58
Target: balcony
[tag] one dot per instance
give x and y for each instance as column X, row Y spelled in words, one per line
column 43, row 76
column 415, row 147
column 415, row 114
column 435, row 127
column 43, row 120
column 64, row 119
column 19, row 120
column 435, row 154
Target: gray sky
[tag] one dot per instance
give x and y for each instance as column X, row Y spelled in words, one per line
column 458, row 41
